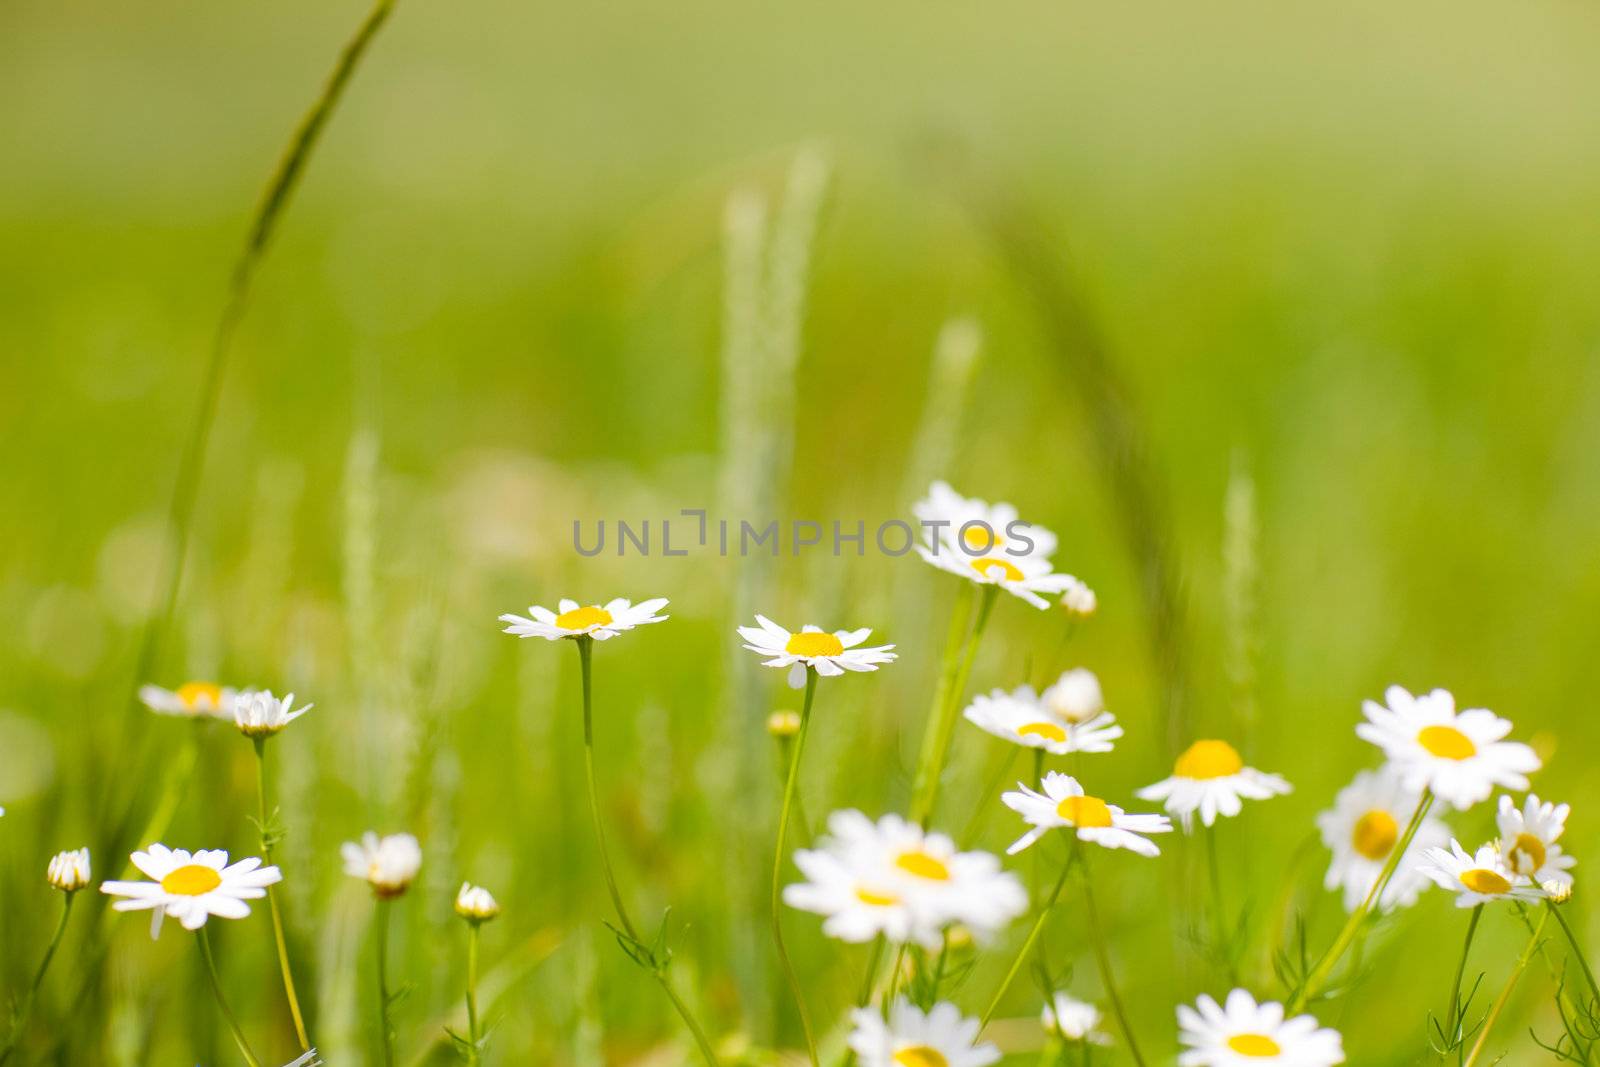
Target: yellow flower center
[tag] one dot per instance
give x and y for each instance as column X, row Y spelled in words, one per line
column 1480, row 880
column 920, row 1056
column 981, row 538
column 1527, row 853
column 1048, row 730
column 922, row 865
column 1084, row 812
column 876, row 899
column 988, row 565
column 812, row 643
column 1447, row 742
column 583, row 618
column 1254, row 1045
column 191, row 880
column 1375, row 834
column 1209, row 759
column 196, row 694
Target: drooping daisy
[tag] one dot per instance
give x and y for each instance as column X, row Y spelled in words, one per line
column 1078, row 599
column 1459, row 756
column 1073, row 1020
column 1478, row 878
column 911, row 1038
column 388, row 863
column 193, row 700
column 571, row 619
column 1528, row 839
column 829, row 654
column 476, row 904
column 1364, row 827
column 69, row 871
column 257, row 713
column 1024, row 718
column 1246, row 1034
column 191, row 887
column 973, row 527
column 1075, row 696
column 1028, row 577
column 1063, row 805
column 1210, row 777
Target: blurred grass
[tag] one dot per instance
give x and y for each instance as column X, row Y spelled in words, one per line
column 1354, row 244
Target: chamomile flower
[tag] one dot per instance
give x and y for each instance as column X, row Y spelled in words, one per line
column 1063, row 805
column 192, row 700
column 913, row 1038
column 192, row 887
column 1460, row 756
column 1242, row 1033
column 1476, row 878
column 475, row 903
column 571, row 619
column 388, row 863
column 69, row 871
column 1211, row 778
column 1073, row 1020
column 1075, row 696
column 1028, row 577
column 1022, row 718
column 890, row 877
column 1078, row 599
column 829, row 654
column 1364, row 827
column 972, row 527
column 1528, row 839
column 257, row 713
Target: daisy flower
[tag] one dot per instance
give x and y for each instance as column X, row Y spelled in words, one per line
column 1210, row 777
column 830, row 654
column 1361, row 830
column 306, row 1059
column 192, row 887
column 257, row 713
column 1024, row 718
column 1478, row 878
column 972, row 527
column 1073, row 1020
column 1078, row 599
column 571, row 619
column 69, row 871
column 890, row 877
column 387, row 863
column 1528, row 839
column 1075, row 696
column 193, row 700
column 913, row 1038
column 1246, row 1034
column 1459, row 756
column 476, row 904
column 1028, row 577
column 1063, row 805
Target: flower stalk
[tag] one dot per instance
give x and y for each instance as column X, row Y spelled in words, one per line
column 956, row 668
column 790, row 788
column 204, row 940
column 269, row 837
column 25, row 1009
column 1505, row 993
column 1102, row 958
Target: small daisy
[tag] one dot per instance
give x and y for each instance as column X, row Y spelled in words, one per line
column 1210, row 777
column 476, row 904
column 830, row 654
column 972, row 527
column 1078, row 599
column 388, row 863
column 1073, row 1020
column 1459, row 756
column 1528, row 839
column 192, row 700
column 1075, row 696
column 69, row 871
column 1064, row 805
column 1247, row 1034
column 1362, row 829
column 1477, row 878
column 911, row 1038
column 571, row 619
column 257, row 713
column 1023, row 718
column 192, row 887
column 1029, row 577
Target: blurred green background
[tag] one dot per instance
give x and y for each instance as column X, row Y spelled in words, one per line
column 1343, row 259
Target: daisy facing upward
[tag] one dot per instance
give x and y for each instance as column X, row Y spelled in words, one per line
column 1211, row 778
column 1458, row 756
column 1024, row 718
column 1242, row 1033
column 1063, row 805
column 812, row 648
column 1528, row 837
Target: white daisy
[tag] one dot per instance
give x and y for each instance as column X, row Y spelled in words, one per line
column 1028, row 577
column 1024, row 718
column 69, row 871
column 1247, row 1034
column 387, row 863
column 475, row 903
column 1363, row 827
column 912, row 1038
column 1078, row 599
column 974, row 527
column 890, row 877
column 306, row 1059
column 1210, row 777
column 1073, row 1020
column 1064, row 805
column 194, row 700
column 257, row 713
column 571, row 619
column 192, row 887
column 1478, row 878
column 1459, row 756
column 1075, row 696
column 829, row 654
column 1528, row 839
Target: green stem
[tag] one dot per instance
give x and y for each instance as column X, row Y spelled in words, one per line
column 204, row 938
column 1577, row 950
column 384, row 1022
column 1219, row 923
column 1027, row 945
column 1505, row 994
column 946, row 703
column 24, row 1009
column 1454, row 1015
column 870, row 979
column 780, row 852
column 279, row 940
column 472, row 992
column 1103, row 960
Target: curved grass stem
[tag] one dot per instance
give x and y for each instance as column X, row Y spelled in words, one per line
column 25, row 1008
column 1577, row 949
column 1027, row 945
column 1505, row 993
column 780, row 850
column 1454, row 1018
column 953, row 675
column 1102, row 958
column 280, row 941
column 204, row 940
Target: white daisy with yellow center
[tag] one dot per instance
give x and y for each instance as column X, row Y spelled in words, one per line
column 1073, row 1020
column 1477, row 878
column 257, row 713
column 1242, row 1033
column 388, row 863
column 1211, row 778
column 889, row 877
column 192, row 887
column 191, row 700
column 1063, row 805
column 971, row 527
column 829, row 654
column 1028, row 577
column 1528, row 839
column 1362, row 830
column 572, row 619
column 942, row 1037
column 476, row 904
column 1460, row 756
column 1023, row 717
